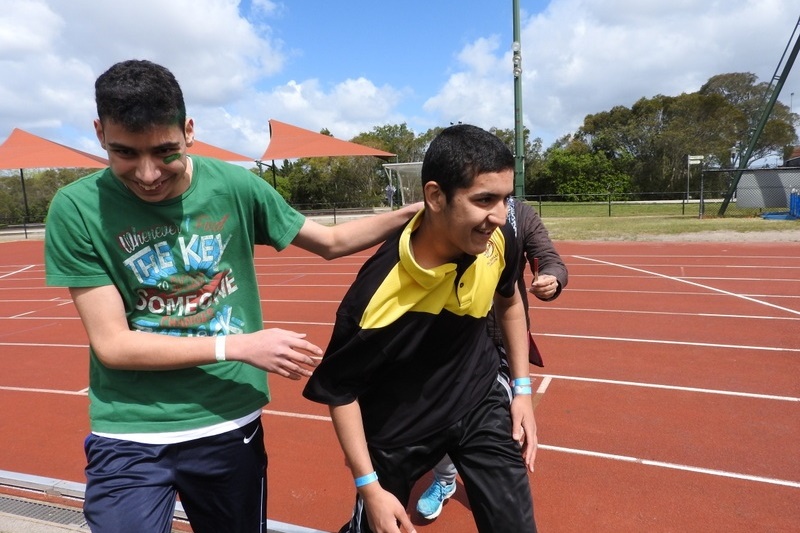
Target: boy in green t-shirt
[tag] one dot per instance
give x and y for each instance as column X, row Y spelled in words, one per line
column 157, row 252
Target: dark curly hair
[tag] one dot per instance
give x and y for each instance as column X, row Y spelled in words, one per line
column 460, row 153
column 139, row 94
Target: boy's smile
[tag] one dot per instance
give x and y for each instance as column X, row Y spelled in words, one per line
column 152, row 164
column 465, row 223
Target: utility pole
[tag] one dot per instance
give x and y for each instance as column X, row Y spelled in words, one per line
column 519, row 142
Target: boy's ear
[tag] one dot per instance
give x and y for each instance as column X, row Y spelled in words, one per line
column 188, row 132
column 98, row 130
column 435, row 199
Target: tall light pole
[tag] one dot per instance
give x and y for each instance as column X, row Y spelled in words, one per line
column 519, row 144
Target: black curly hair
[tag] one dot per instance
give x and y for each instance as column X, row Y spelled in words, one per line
column 460, row 153
column 139, row 94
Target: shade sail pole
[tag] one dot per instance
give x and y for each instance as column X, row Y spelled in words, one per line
column 25, row 201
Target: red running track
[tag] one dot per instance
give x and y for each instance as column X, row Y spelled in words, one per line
column 670, row 400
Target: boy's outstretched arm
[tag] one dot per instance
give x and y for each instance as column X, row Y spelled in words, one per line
column 331, row 242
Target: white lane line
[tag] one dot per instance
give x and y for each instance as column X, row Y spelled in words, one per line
column 674, row 293
column 50, row 318
column 45, row 391
column 22, row 315
column 297, row 415
column 549, row 309
column 609, row 456
column 544, row 384
column 673, row 387
column 297, row 323
column 23, row 269
column 561, row 449
column 560, row 335
column 673, row 466
column 713, row 289
column 678, row 343
column 43, row 345
column 668, row 313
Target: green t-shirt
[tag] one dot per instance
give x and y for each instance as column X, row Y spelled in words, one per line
column 183, row 267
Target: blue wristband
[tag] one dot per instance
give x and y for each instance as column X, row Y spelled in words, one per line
column 366, row 480
column 522, row 382
column 520, row 389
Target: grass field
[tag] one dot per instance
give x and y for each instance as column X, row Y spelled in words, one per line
column 629, row 221
column 660, row 221
column 659, row 228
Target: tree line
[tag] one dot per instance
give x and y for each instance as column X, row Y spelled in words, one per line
column 640, row 149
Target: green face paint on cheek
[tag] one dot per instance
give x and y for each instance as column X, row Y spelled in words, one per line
column 171, row 158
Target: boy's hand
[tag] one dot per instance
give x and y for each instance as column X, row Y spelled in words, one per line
column 278, row 351
column 544, row 286
column 384, row 511
column 523, row 427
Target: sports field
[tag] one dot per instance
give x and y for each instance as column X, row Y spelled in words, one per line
column 669, row 401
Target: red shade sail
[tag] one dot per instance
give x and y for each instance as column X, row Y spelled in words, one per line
column 25, row 150
column 209, row 150
column 290, row 142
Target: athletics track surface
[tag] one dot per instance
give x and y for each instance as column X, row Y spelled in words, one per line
column 670, row 398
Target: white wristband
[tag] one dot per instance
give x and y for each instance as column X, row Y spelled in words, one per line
column 219, row 348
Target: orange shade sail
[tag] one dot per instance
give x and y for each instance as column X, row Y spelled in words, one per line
column 291, row 142
column 26, row 150
column 209, row 150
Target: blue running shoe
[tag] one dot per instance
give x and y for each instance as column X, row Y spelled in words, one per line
column 431, row 501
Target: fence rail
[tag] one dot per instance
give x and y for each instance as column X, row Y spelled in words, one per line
column 612, row 204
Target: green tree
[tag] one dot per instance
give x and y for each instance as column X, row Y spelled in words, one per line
column 310, row 184
column 353, row 181
column 394, row 138
column 534, row 159
column 276, row 176
column 582, row 175
column 743, row 91
column 40, row 187
column 651, row 140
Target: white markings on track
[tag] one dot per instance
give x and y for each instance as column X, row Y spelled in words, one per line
column 679, row 280
column 673, row 466
column 680, row 343
column 49, row 318
column 43, row 345
column 272, row 323
column 668, row 313
column 23, row 269
column 673, row 293
column 544, row 384
column 672, row 387
column 45, row 391
column 546, row 380
column 297, row 415
column 297, row 323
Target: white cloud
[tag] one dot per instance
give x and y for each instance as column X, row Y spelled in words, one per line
column 586, row 56
column 480, row 94
column 579, row 57
column 26, row 28
column 61, row 48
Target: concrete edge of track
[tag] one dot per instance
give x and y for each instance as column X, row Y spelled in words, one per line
column 20, row 514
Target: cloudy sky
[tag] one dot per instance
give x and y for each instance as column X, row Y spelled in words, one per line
column 351, row 65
